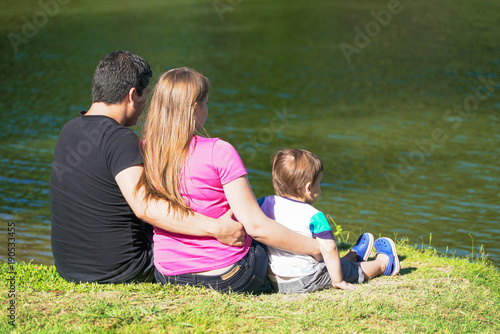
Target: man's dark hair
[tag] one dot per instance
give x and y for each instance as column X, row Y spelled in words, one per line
column 116, row 74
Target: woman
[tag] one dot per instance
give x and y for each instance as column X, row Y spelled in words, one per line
column 204, row 175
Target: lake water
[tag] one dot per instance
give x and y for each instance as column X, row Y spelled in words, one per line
column 399, row 99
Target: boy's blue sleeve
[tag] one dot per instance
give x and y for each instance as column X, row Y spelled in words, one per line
column 320, row 228
column 261, row 200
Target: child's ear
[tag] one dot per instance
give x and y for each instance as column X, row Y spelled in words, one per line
column 308, row 187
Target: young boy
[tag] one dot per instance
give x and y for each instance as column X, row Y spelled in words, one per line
column 296, row 179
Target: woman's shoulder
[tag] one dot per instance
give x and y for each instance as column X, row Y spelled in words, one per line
column 205, row 140
column 213, row 142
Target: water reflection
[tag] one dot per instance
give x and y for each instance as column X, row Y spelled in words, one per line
column 361, row 118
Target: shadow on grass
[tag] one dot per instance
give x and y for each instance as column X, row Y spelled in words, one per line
column 266, row 289
column 344, row 246
column 407, row 271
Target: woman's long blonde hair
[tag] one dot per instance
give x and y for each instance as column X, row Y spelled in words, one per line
column 169, row 127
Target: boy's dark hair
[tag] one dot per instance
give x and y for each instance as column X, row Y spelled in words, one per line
column 116, row 73
column 292, row 169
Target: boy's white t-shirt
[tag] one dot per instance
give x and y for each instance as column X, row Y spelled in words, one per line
column 301, row 218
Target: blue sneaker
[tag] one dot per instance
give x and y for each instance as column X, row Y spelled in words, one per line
column 386, row 246
column 363, row 246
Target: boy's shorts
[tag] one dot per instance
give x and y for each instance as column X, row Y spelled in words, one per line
column 351, row 273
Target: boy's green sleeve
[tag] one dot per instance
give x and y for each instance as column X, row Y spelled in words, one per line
column 319, row 227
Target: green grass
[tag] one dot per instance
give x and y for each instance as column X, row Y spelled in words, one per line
column 432, row 294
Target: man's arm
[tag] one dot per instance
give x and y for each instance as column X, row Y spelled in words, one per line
column 158, row 214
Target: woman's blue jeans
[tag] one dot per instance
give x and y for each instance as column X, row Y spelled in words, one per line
column 247, row 275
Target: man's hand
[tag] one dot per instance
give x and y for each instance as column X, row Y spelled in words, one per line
column 230, row 232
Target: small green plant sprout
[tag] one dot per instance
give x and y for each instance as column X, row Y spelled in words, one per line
column 482, row 253
column 338, row 232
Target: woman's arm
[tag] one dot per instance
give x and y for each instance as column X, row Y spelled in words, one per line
column 242, row 201
column 158, row 214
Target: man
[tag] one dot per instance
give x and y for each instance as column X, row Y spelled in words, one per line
column 98, row 230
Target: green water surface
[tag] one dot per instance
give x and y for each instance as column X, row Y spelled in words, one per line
column 398, row 98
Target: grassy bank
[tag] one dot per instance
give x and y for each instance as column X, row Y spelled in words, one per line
column 431, row 294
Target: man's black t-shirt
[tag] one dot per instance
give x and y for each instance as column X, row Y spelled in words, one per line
column 95, row 235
